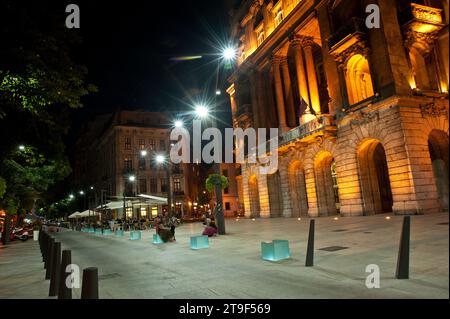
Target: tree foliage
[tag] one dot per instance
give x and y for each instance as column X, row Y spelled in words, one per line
column 216, row 179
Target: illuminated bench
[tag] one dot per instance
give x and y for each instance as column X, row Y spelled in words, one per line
column 98, row 231
column 107, row 232
column 157, row 240
column 84, row 230
column 119, row 233
column 276, row 250
column 91, row 230
column 199, row 242
column 135, row 235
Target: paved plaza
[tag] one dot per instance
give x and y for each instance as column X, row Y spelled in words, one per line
column 232, row 267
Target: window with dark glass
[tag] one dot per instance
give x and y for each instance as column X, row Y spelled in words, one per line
column 143, row 186
column 162, row 145
column 176, row 185
column 227, row 206
column 142, row 163
column 151, row 145
column 141, row 144
column 164, row 188
column 153, row 185
column 128, row 164
column 128, row 143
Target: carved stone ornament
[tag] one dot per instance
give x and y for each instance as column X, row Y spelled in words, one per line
column 365, row 118
column 433, row 110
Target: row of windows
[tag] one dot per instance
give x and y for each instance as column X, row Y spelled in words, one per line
column 151, row 146
column 154, row 186
column 142, row 165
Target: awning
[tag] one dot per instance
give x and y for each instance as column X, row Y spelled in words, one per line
column 153, row 199
column 75, row 215
column 87, row 213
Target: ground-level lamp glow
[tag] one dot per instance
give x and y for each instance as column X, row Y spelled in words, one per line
column 21, row 147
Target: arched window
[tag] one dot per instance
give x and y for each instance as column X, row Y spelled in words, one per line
column 358, row 79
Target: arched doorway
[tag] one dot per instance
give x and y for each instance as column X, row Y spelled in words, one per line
column 253, row 196
column 438, row 145
column 275, row 195
column 374, row 178
column 326, row 185
column 297, row 187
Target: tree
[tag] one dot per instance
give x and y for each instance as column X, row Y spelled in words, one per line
column 40, row 84
column 28, row 174
column 217, row 183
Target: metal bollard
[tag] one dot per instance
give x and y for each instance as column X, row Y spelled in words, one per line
column 310, row 250
column 49, row 258
column 56, row 265
column 89, row 288
column 64, row 292
column 403, row 252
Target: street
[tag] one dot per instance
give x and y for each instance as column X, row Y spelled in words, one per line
column 232, row 267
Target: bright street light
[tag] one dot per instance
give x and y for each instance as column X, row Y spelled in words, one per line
column 81, row 192
column 71, row 196
column 144, row 153
column 92, row 187
column 21, row 147
column 132, row 178
column 178, row 123
column 229, row 54
column 201, row 111
column 160, row 159
column 218, row 92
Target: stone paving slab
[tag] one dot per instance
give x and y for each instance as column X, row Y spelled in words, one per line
column 232, row 267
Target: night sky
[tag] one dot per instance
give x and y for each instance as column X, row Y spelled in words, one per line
column 130, row 49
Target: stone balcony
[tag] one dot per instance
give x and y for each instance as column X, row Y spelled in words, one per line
column 420, row 18
column 347, row 36
column 321, row 124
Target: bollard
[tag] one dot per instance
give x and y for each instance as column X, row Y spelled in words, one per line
column 55, row 268
column 403, row 252
column 49, row 258
column 64, row 292
column 89, row 288
column 310, row 249
column 47, row 250
column 44, row 246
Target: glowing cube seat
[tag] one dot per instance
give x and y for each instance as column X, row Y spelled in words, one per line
column 135, row 235
column 91, row 230
column 98, row 231
column 199, row 242
column 275, row 250
column 107, row 232
column 119, row 233
column 157, row 240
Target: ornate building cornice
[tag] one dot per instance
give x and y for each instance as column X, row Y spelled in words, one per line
column 363, row 118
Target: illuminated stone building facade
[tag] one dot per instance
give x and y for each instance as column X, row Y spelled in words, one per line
column 110, row 150
column 362, row 113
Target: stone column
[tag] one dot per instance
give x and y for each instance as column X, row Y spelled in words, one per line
column 302, row 81
column 308, row 43
column 264, row 201
column 285, row 191
column 290, row 109
column 279, row 94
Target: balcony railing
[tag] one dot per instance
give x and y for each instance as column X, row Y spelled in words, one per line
column 305, row 130
column 355, row 26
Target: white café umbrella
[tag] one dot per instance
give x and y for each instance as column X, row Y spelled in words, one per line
column 75, row 215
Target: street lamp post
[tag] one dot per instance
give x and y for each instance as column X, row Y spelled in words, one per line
column 228, row 54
